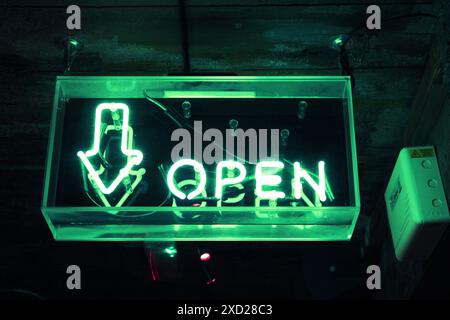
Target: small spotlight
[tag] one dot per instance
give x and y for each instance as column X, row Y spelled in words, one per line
column 171, row 251
column 205, row 256
column 338, row 41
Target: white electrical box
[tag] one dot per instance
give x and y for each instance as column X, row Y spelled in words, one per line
column 416, row 204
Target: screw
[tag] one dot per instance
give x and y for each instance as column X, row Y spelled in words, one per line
column 233, row 124
column 302, row 106
column 186, row 106
column 284, row 137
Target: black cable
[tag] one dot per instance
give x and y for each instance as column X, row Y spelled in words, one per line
column 344, row 65
column 164, row 109
column 184, row 36
column 19, row 294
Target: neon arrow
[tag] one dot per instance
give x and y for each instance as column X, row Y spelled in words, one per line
column 134, row 156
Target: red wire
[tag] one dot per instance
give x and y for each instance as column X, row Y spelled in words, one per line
column 154, row 271
column 156, row 267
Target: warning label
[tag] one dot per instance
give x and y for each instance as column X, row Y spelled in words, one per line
column 421, row 153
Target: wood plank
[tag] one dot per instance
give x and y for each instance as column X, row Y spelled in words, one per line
column 301, row 2
column 144, row 38
column 88, row 3
column 311, row 53
column 263, row 38
column 148, row 39
column 314, row 20
column 440, row 129
column 440, row 138
column 430, row 97
column 216, row 3
column 28, row 96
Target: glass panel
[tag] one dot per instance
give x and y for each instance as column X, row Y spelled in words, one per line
column 202, row 158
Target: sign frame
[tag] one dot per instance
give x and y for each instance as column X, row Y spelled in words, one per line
column 76, row 223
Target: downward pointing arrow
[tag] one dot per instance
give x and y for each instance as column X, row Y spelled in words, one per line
column 134, row 156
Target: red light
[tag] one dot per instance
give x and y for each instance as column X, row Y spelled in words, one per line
column 205, row 256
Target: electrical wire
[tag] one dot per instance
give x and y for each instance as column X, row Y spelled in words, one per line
column 166, row 111
column 164, row 175
column 24, row 292
column 184, row 35
column 163, row 108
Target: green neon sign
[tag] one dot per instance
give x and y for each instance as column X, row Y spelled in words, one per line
column 111, row 174
column 262, row 180
column 134, row 156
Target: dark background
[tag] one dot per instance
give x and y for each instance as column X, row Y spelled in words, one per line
column 400, row 98
column 320, row 136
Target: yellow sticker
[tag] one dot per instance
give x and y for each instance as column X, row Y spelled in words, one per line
column 422, row 153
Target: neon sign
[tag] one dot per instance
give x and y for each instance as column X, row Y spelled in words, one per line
column 202, row 158
column 262, row 180
column 134, row 158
